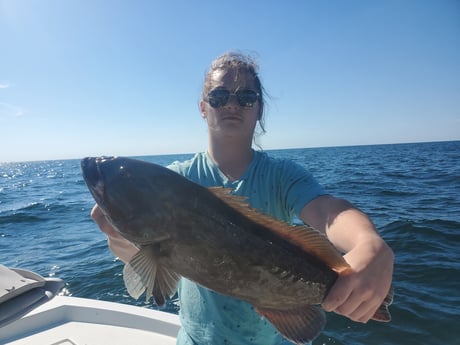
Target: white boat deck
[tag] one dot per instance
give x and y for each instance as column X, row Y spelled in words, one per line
column 79, row 321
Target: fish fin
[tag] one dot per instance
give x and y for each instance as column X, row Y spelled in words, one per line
column 225, row 194
column 314, row 242
column 165, row 285
column 144, row 274
column 305, row 237
column 138, row 273
column 383, row 314
column 300, row 325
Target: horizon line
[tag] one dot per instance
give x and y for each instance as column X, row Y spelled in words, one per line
column 263, row 150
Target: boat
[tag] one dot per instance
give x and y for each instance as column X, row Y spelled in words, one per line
column 33, row 313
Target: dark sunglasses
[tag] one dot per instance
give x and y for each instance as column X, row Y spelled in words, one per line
column 219, row 97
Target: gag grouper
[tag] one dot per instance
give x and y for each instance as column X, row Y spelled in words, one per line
column 217, row 240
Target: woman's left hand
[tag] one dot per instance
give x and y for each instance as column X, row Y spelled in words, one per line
column 359, row 292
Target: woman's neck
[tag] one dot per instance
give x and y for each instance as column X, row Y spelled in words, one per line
column 232, row 158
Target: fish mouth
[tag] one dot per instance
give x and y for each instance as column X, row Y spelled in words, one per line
column 93, row 176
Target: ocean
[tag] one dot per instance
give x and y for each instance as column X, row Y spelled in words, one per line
column 411, row 191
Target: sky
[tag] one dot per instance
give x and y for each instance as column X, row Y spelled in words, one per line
column 92, row 77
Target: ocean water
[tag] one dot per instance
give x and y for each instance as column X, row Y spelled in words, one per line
column 411, row 191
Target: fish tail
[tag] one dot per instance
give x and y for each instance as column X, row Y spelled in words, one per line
column 383, row 314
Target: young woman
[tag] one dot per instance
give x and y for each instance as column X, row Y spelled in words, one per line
column 232, row 105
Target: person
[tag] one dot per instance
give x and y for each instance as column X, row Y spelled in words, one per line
column 232, row 105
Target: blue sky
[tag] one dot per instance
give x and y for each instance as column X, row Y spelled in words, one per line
column 91, row 77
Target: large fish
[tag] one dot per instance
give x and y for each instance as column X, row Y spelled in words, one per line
column 217, row 240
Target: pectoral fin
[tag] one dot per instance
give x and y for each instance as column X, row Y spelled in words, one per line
column 299, row 326
column 143, row 273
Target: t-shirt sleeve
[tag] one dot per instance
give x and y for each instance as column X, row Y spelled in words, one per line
column 177, row 167
column 299, row 186
column 183, row 167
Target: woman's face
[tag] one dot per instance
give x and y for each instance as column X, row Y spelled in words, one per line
column 231, row 119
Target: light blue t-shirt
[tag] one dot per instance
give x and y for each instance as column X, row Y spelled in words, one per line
column 277, row 187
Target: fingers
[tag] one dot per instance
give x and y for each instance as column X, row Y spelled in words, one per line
column 338, row 295
column 97, row 215
column 118, row 245
column 356, row 309
column 101, row 221
column 364, row 312
column 122, row 248
column 353, row 299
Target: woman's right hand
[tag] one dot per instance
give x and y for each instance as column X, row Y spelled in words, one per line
column 118, row 245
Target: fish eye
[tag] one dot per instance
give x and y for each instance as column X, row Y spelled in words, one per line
column 123, row 171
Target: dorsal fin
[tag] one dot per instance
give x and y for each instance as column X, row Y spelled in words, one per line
column 305, row 237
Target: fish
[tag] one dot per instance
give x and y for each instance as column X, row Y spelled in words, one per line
column 216, row 239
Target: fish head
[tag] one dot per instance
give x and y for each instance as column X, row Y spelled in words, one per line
column 128, row 191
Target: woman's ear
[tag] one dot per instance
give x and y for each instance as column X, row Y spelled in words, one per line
column 203, row 109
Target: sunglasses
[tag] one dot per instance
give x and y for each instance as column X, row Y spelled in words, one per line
column 219, row 97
